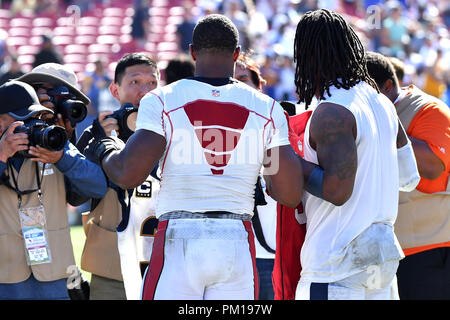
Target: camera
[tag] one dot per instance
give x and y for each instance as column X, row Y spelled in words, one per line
column 126, row 119
column 41, row 134
column 71, row 109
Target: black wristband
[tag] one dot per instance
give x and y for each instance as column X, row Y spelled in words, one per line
column 315, row 183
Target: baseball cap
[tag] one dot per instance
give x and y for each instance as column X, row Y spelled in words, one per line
column 55, row 74
column 19, row 100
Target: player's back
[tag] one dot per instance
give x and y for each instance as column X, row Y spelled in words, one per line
column 216, row 135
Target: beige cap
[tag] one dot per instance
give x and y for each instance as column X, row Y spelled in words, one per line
column 55, row 74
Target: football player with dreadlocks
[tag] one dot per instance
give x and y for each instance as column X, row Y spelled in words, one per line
column 353, row 148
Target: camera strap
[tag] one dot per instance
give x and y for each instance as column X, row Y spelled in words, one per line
column 16, row 189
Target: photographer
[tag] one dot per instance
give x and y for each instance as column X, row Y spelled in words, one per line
column 57, row 89
column 36, row 184
column 119, row 229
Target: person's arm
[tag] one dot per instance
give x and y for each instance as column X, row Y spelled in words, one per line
column 283, row 175
column 129, row 167
column 332, row 135
column 429, row 132
column 283, row 172
column 430, row 166
column 84, row 177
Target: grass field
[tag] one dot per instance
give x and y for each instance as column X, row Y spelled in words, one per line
column 78, row 239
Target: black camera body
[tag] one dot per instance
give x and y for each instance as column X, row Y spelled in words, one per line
column 126, row 120
column 74, row 110
column 41, row 134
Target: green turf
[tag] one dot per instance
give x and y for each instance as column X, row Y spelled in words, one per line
column 78, row 239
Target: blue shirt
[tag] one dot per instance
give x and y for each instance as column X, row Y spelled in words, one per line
column 83, row 178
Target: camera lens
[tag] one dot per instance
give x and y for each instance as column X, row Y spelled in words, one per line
column 73, row 110
column 77, row 112
column 53, row 138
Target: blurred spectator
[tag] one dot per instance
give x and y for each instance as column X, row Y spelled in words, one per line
column 436, row 77
column 93, row 84
column 395, row 29
column 285, row 89
column 178, row 68
column 4, row 52
column 270, row 72
column 446, row 16
column 12, row 70
column 22, row 6
column 308, row 5
column 47, row 53
column 185, row 29
column 140, row 24
column 46, row 7
column 236, row 10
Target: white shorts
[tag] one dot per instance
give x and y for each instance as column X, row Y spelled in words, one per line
column 376, row 283
column 202, row 259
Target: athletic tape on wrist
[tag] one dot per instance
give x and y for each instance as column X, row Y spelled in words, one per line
column 315, row 183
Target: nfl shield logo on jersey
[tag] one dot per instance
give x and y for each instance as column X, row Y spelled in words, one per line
column 300, row 146
column 216, row 93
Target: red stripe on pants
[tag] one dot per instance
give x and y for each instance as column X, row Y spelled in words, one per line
column 251, row 242
column 156, row 262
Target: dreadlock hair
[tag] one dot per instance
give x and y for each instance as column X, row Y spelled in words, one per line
column 380, row 68
column 215, row 33
column 327, row 52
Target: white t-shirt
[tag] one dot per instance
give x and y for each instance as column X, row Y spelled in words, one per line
column 341, row 240
column 216, row 137
column 136, row 234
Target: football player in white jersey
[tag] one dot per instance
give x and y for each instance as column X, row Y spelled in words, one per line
column 358, row 157
column 135, row 75
column 211, row 134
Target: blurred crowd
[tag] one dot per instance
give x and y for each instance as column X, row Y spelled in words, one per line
column 415, row 33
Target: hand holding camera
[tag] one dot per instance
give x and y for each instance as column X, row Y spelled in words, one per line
column 11, row 142
column 39, row 133
column 123, row 121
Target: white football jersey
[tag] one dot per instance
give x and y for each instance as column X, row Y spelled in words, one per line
column 135, row 236
column 216, row 140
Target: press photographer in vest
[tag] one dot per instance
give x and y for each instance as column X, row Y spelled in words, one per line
column 40, row 172
column 56, row 86
column 119, row 227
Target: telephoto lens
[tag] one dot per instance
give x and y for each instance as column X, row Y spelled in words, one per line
column 71, row 109
column 39, row 133
column 126, row 120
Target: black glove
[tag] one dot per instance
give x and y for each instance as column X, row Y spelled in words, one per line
column 97, row 130
column 98, row 149
column 289, row 107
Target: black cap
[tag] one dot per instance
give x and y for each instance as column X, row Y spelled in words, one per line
column 19, row 100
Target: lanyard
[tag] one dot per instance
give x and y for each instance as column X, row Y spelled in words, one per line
column 25, row 192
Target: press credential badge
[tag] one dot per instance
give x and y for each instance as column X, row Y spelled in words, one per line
column 34, row 232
